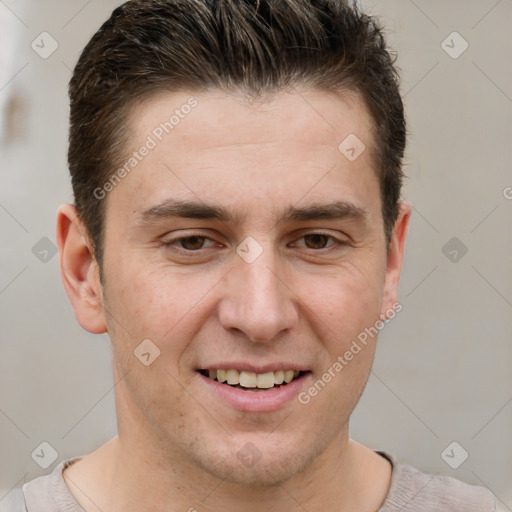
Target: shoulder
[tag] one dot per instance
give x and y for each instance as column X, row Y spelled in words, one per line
column 413, row 490
column 49, row 493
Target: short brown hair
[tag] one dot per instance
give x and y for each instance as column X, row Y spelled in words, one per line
column 257, row 47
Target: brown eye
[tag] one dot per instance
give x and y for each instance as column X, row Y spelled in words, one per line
column 316, row 241
column 192, row 243
column 319, row 242
column 187, row 245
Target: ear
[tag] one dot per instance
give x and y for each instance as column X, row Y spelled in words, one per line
column 79, row 270
column 394, row 261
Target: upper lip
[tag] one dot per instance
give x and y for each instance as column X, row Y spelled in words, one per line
column 250, row 367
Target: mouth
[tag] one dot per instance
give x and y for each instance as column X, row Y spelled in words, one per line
column 246, row 390
column 252, row 382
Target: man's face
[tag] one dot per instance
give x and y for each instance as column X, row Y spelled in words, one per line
column 265, row 287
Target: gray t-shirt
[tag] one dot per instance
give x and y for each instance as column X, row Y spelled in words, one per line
column 410, row 491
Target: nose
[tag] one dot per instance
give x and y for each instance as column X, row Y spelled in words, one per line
column 257, row 299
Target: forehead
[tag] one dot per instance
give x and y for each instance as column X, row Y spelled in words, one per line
column 217, row 147
column 217, row 119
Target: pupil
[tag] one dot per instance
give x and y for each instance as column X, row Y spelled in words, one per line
column 316, row 239
column 197, row 245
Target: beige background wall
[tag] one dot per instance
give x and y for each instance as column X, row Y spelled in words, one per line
column 443, row 366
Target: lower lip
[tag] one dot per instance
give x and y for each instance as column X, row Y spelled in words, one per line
column 256, row 401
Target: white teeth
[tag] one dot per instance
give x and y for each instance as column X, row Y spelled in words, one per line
column 233, row 377
column 265, row 380
column 248, row 379
column 278, row 377
column 288, row 376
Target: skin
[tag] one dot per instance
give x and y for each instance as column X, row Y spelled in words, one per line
column 303, row 300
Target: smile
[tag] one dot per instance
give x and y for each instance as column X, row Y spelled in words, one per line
column 247, row 380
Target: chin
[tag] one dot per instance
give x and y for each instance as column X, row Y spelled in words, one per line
column 264, row 473
column 269, row 465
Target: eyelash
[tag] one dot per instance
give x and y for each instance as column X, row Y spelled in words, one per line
column 175, row 241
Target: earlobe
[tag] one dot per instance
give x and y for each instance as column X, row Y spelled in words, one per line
column 395, row 259
column 79, row 270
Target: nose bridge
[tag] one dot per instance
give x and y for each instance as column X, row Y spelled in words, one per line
column 256, row 300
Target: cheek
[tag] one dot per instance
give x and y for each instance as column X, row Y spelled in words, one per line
column 164, row 306
column 344, row 312
column 345, row 302
column 147, row 301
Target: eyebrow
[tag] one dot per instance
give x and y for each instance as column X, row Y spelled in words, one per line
column 175, row 208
